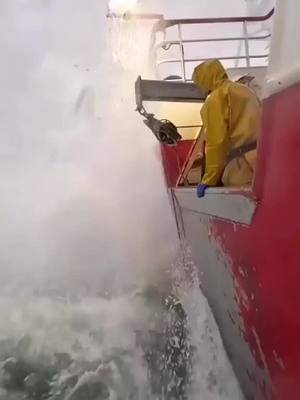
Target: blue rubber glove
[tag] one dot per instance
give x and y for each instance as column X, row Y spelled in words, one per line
column 201, row 190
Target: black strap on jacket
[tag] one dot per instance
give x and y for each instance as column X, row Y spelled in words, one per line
column 241, row 151
column 235, row 153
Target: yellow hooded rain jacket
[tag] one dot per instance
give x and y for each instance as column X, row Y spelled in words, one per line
column 231, row 117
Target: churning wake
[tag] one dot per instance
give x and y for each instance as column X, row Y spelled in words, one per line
column 144, row 343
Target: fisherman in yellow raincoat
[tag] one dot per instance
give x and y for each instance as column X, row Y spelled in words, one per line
column 231, row 118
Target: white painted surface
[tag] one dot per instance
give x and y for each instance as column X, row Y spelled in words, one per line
column 284, row 69
column 223, row 203
column 282, row 80
column 224, row 297
column 214, row 381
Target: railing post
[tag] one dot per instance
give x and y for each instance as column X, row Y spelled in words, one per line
column 246, row 41
column 181, row 53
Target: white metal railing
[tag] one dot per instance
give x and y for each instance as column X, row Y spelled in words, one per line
column 166, row 45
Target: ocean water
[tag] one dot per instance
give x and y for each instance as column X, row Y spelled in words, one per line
column 93, row 304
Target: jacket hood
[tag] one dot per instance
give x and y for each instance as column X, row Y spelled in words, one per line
column 209, row 75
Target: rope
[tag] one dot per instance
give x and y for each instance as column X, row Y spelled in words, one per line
column 178, row 213
column 174, row 201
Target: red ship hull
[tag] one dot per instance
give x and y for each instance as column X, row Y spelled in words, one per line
column 249, row 266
